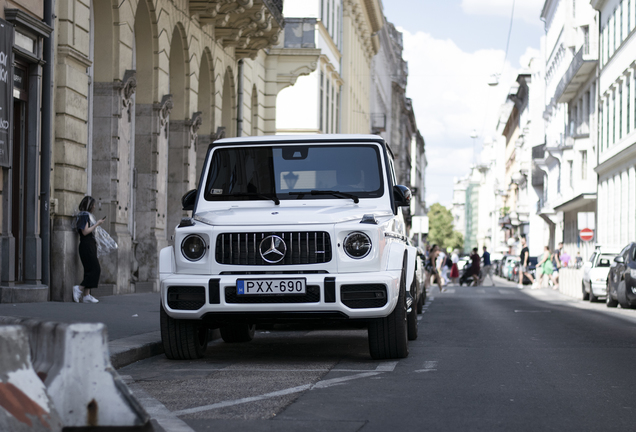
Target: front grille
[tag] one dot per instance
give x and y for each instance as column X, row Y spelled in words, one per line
column 363, row 296
column 311, row 296
column 308, row 247
column 186, row 297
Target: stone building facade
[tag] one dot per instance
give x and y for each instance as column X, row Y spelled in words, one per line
column 26, row 66
column 141, row 89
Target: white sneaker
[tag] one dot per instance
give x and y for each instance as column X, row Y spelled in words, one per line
column 520, row 286
column 77, row 293
column 89, row 299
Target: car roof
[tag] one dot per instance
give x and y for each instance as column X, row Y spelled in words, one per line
column 303, row 139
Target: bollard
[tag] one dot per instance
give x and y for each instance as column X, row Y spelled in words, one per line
column 82, row 383
column 24, row 403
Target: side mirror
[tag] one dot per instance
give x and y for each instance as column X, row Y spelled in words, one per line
column 189, row 199
column 619, row 259
column 402, row 196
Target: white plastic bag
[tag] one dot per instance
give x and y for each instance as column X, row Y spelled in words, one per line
column 105, row 243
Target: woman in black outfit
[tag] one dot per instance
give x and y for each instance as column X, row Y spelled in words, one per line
column 87, row 251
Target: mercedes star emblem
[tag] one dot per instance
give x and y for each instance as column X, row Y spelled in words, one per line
column 273, row 249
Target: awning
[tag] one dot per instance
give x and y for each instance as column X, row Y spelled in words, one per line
column 576, row 202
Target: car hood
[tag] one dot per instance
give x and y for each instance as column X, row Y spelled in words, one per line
column 250, row 216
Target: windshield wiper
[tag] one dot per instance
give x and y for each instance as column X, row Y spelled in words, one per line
column 255, row 194
column 337, row 194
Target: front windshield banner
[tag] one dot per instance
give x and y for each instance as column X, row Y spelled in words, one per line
column 292, row 172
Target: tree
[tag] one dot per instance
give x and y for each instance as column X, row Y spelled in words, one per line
column 440, row 229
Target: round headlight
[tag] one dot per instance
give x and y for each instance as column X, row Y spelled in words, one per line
column 193, row 247
column 357, row 245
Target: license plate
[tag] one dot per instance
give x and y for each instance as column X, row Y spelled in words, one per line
column 270, row 286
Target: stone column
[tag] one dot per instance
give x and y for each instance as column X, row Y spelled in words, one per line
column 151, row 161
column 112, row 159
column 182, row 162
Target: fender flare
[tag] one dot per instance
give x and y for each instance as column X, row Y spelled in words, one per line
column 397, row 253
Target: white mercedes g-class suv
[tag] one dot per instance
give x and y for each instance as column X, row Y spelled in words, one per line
column 291, row 229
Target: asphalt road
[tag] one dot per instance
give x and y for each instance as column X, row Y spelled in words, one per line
column 487, row 358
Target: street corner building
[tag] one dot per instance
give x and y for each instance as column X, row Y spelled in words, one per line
column 120, row 100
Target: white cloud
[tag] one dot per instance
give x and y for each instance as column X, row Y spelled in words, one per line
column 526, row 10
column 451, row 98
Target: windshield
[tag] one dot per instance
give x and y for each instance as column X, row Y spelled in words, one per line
column 269, row 172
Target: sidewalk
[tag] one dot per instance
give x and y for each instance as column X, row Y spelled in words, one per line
column 132, row 321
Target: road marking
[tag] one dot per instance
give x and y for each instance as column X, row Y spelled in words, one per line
column 429, row 366
column 532, row 311
column 448, row 291
column 481, row 291
column 156, row 410
column 386, row 367
column 506, row 292
column 284, row 392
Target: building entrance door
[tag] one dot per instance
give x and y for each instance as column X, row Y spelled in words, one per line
column 18, row 169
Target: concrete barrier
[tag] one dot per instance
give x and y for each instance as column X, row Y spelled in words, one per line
column 85, row 388
column 73, row 362
column 570, row 281
column 24, row 402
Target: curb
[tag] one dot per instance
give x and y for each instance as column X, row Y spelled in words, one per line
column 134, row 348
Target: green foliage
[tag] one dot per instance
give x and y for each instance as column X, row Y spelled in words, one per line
column 440, row 229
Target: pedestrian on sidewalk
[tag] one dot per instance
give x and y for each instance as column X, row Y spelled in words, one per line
column 565, row 259
column 85, row 225
column 487, row 269
column 546, row 269
column 523, row 264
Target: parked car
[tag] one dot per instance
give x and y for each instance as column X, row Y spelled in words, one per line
column 595, row 273
column 511, row 262
column 621, row 279
column 501, row 264
column 291, row 228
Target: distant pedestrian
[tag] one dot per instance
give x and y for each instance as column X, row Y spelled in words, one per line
column 444, row 266
column 473, row 271
column 85, row 225
column 579, row 260
column 546, row 268
column 523, row 264
column 454, row 273
column 431, row 268
column 556, row 263
column 487, row 269
column 565, row 259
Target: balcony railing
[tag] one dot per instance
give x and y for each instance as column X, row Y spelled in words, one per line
column 582, row 65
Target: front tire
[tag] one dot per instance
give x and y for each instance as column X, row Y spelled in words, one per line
column 237, row 332
column 388, row 337
column 621, row 293
column 586, row 295
column 182, row 339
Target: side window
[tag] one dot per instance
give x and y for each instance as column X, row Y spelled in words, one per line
column 592, row 258
column 633, row 253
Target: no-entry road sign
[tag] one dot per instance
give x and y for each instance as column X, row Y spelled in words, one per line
column 586, row 234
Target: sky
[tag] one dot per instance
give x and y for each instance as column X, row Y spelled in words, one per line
column 452, row 48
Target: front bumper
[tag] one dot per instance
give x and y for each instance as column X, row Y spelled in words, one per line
column 599, row 288
column 329, row 303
